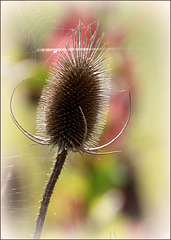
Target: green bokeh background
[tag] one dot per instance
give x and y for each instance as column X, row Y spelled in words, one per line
column 89, row 198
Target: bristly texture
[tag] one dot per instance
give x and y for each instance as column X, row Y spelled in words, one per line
column 74, row 102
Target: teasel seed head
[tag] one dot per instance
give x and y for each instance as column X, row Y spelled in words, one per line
column 74, row 102
column 73, row 105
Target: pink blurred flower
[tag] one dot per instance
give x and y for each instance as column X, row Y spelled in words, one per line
column 123, row 79
column 63, row 32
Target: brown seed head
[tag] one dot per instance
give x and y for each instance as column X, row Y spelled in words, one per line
column 73, row 105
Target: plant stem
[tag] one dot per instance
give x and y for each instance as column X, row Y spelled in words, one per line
column 60, row 159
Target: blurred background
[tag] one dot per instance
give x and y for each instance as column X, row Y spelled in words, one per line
column 123, row 195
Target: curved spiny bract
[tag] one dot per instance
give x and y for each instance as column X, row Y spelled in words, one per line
column 76, row 95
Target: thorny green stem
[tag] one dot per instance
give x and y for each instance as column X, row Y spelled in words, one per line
column 58, row 165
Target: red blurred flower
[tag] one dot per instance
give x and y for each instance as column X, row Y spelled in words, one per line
column 123, row 79
column 63, row 32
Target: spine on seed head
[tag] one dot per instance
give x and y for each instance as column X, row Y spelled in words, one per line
column 74, row 102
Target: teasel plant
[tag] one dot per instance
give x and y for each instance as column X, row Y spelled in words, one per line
column 72, row 110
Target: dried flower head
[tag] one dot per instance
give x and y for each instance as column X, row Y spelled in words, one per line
column 74, row 102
